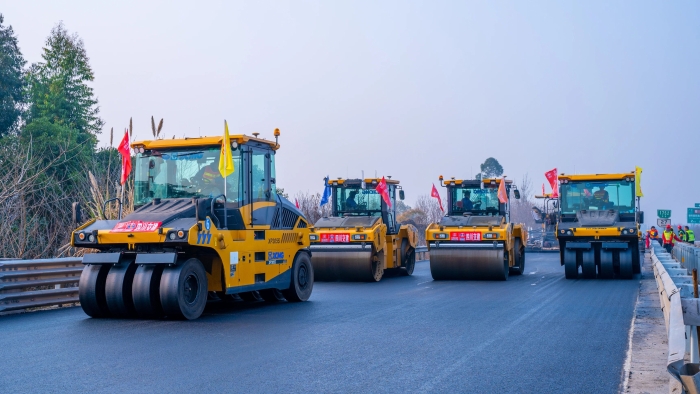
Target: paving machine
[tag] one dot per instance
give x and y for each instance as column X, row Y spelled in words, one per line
column 476, row 240
column 544, row 239
column 362, row 240
column 195, row 234
column 598, row 227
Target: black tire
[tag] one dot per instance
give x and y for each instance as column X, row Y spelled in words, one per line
column 183, row 290
column 570, row 264
column 607, row 268
column 408, row 255
column 91, row 290
column 250, row 296
column 636, row 259
column 626, row 265
column 145, row 291
column 302, row 282
column 588, row 264
column 272, row 295
column 118, row 289
column 519, row 251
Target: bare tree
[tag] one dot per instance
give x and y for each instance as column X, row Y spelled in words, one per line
column 310, row 206
column 521, row 210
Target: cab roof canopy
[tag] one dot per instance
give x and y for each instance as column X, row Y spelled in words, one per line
column 472, row 182
column 597, row 177
column 200, row 141
column 358, row 181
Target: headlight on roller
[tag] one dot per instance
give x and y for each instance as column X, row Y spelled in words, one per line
column 440, row 236
column 359, row 237
column 491, row 236
column 313, row 237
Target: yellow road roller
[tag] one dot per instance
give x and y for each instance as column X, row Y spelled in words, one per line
column 362, row 239
column 195, row 234
column 475, row 240
column 598, row 226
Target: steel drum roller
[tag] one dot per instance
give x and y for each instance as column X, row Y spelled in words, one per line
column 468, row 263
column 345, row 263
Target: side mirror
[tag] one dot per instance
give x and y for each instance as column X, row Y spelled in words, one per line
column 640, row 217
column 517, row 194
column 77, row 214
column 401, row 195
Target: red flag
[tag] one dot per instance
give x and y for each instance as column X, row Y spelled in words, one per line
column 434, row 193
column 124, row 150
column 553, row 182
column 296, row 202
column 383, row 190
column 502, row 196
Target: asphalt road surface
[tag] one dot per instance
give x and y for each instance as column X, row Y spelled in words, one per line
column 538, row 333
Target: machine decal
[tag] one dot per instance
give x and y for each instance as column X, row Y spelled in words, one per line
column 331, row 238
column 233, row 259
column 203, row 238
column 275, row 258
column 136, row 226
column 464, row 236
column 207, row 224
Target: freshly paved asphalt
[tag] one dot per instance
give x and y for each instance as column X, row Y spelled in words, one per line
column 537, row 333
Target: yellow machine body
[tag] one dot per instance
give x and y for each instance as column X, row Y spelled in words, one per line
column 476, row 242
column 598, row 225
column 246, row 238
column 362, row 242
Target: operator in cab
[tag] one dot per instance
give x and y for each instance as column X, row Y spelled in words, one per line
column 601, row 198
column 209, row 178
column 467, row 204
column 350, row 203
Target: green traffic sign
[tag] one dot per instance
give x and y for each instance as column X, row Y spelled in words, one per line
column 693, row 215
column 663, row 213
column 697, row 205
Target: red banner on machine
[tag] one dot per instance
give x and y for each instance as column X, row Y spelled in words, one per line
column 465, row 236
column 553, row 182
column 332, row 238
column 136, row 226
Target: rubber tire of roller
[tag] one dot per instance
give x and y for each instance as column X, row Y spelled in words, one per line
column 272, row 295
column 519, row 266
column 302, row 282
column 626, row 264
column 636, row 259
column 588, row 264
column 118, row 290
column 407, row 270
column 145, row 291
column 607, row 269
column 91, row 290
column 570, row 264
column 251, row 296
column 173, row 294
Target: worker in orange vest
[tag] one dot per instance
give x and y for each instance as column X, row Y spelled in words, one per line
column 668, row 237
column 654, row 233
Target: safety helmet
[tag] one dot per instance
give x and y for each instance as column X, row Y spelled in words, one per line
column 668, row 227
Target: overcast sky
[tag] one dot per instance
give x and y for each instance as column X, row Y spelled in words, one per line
column 408, row 89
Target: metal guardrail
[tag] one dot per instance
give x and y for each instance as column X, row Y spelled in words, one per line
column 39, row 283
column 675, row 288
column 422, row 253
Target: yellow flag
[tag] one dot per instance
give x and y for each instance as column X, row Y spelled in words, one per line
column 226, row 157
column 638, row 184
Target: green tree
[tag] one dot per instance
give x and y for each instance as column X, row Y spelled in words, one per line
column 490, row 168
column 58, row 87
column 11, row 80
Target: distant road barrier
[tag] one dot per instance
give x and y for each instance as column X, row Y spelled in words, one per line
column 422, row 253
column 28, row 284
column 681, row 313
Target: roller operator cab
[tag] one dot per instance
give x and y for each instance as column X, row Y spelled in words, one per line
column 598, row 227
column 362, row 240
column 544, row 238
column 193, row 233
column 476, row 239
